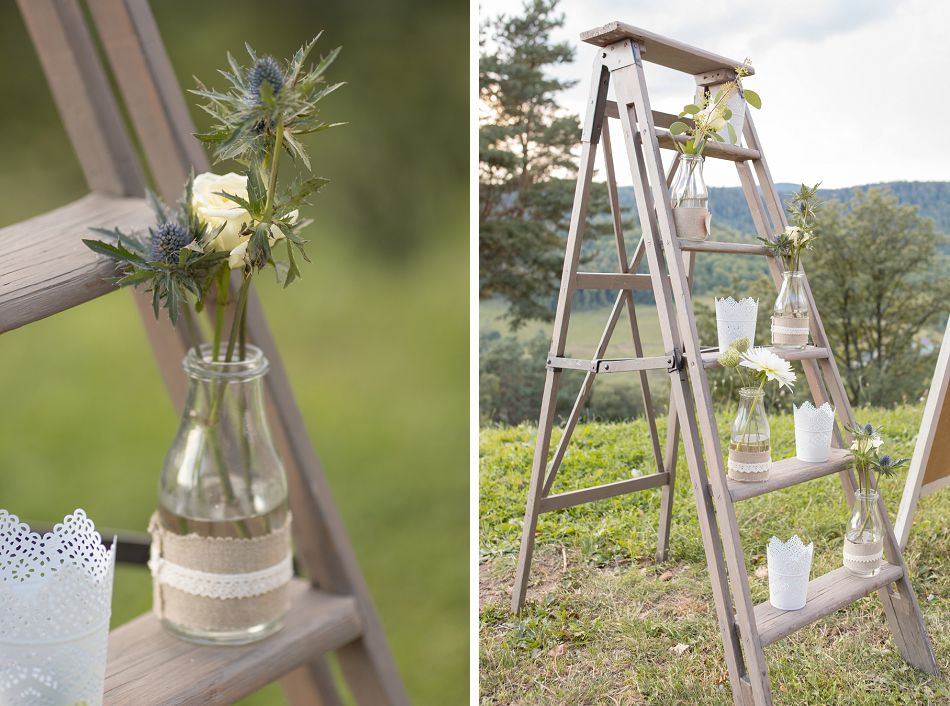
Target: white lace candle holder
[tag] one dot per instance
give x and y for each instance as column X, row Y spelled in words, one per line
column 735, row 320
column 789, row 569
column 55, row 604
column 813, row 429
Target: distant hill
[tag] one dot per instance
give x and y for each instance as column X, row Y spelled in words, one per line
column 729, row 208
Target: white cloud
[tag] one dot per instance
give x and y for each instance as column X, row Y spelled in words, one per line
column 852, row 90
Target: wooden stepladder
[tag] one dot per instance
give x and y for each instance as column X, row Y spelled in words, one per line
column 48, row 270
column 746, row 628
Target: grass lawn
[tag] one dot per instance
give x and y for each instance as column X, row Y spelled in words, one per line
column 605, row 624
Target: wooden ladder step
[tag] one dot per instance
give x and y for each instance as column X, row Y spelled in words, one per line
column 826, row 594
column 717, row 150
column 711, row 357
column 661, row 50
column 147, row 665
column 718, row 247
column 789, row 472
column 612, row 280
column 49, row 269
column 610, row 365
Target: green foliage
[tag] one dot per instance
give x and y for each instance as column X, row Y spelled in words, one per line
column 789, row 245
column 649, row 632
column 880, row 283
column 526, row 145
column 171, row 284
column 247, row 120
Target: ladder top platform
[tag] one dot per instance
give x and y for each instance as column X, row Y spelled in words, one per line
column 662, row 50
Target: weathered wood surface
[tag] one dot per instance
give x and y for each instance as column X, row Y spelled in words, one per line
column 826, row 594
column 48, row 269
column 711, row 358
column 720, row 247
column 716, row 150
column 662, row 50
column 148, row 666
column 789, row 472
column 602, row 492
column 612, row 280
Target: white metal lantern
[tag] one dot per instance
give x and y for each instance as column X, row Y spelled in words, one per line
column 813, row 429
column 789, row 569
column 55, row 604
column 735, row 320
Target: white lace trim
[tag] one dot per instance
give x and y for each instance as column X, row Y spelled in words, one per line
column 789, row 329
column 865, row 558
column 729, row 309
column 739, row 467
column 222, row 586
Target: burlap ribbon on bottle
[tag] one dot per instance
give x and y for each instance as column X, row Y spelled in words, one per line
column 749, row 465
column 863, row 556
column 789, row 331
column 692, row 223
column 220, row 584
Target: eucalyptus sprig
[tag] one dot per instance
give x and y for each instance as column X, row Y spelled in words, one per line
column 711, row 115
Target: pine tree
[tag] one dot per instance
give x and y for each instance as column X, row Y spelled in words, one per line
column 526, row 160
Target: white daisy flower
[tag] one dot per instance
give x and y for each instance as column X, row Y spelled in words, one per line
column 772, row 366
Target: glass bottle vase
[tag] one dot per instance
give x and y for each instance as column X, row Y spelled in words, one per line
column 750, row 452
column 690, row 199
column 790, row 313
column 864, row 537
column 221, row 556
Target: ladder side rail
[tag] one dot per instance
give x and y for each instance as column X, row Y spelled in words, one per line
column 590, row 134
column 632, row 91
column 902, row 609
column 671, row 453
column 145, row 77
column 617, row 218
column 83, row 96
column 626, row 72
column 760, row 219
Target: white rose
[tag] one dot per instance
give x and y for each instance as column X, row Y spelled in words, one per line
column 218, row 211
column 238, row 257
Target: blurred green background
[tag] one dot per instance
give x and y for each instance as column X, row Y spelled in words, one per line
column 374, row 338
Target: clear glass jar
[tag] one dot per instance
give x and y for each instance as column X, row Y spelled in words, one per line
column 864, row 538
column 750, row 451
column 790, row 313
column 690, row 199
column 223, row 478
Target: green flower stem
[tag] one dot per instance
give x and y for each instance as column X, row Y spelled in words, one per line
column 239, row 312
column 274, row 165
column 748, row 423
column 224, row 276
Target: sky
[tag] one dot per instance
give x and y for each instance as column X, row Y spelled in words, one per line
column 853, row 91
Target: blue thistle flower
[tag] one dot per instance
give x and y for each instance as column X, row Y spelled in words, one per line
column 167, row 240
column 885, row 460
column 265, row 69
column 868, row 429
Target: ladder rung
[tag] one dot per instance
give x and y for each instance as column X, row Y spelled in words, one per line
column 49, row 269
column 610, row 365
column 826, row 594
column 729, row 248
column 612, row 280
column 602, row 492
column 711, row 358
column 148, row 666
column 789, row 472
column 719, row 150
column 661, row 50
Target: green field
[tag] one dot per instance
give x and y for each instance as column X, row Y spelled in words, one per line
column 605, row 624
